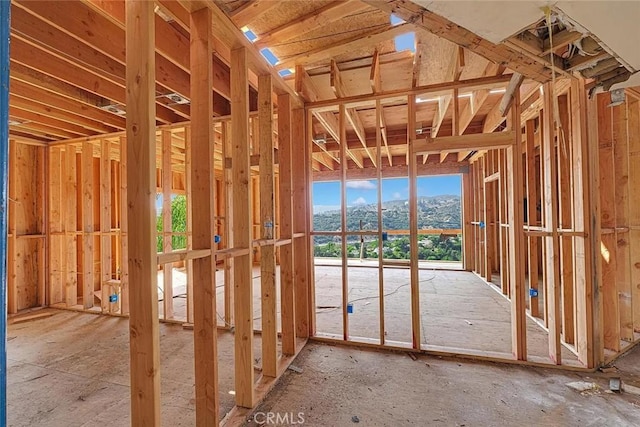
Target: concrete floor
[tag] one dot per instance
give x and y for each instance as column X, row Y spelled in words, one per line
column 72, row 369
column 458, row 311
column 391, row 389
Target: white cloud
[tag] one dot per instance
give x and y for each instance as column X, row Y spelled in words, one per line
column 360, row 201
column 396, row 196
column 361, row 185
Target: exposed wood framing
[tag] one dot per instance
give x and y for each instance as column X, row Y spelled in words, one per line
column 243, row 287
column 287, row 291
column 300, row 203
column 204, row 290
column 516, row 237
column 420, row 17
column 143, row 322
column 167, row 269
column 352, row 116
column 267, row 216
column 551, row 241
column 413, row 222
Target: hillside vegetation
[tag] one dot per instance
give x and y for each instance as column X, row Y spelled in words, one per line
column 437, row 212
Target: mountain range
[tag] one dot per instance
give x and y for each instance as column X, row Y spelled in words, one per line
column 443, row 211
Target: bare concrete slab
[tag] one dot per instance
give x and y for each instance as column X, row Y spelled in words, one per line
column 72, row 369
column 391, row 389
column 458, row 310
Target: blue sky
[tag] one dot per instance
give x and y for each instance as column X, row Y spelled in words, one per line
column 326, row 195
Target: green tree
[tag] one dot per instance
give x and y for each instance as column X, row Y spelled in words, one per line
column 178, row 224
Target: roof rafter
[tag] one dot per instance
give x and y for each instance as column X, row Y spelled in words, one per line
column 352, row 114
column 249, row 11
column 306, row 89
column 311, row 21
column 370, row 38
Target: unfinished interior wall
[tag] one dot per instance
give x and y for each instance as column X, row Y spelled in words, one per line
column 557, row 227
column 27, row 267
column 618, row 139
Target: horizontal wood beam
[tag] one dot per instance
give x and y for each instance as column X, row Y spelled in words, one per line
column 472, row 142
column 480, row 82
column 185, row 255
column 396, row 171
column 560, row 39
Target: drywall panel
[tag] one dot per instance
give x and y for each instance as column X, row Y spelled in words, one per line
column 493, row 20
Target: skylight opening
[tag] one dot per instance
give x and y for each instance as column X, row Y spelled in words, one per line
column 269, row 56
column 405, row 42
column 249, row 34
column 396, row 20
column 285, row 73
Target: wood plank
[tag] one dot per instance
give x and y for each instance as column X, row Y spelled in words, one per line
column 300, row 208
column 287, row 302
column 489, row 222
column 243, row 287
column 57, row 277
column 12, row 220
column 374, row 76
column 552, row 242
column 105, row 223
column 413, row 223
column 560, row 40
column 228, row 226
column 507, row 98
column 183, row 255
column 381, row 296
column 124, row 227
column 565, row 207
column 71, row 287
column 611, row 301
column 366, row 99
column 633, row 114
column 267, row 212
column 532, row 217
column 352, row 115
column 144, row 344
column 468, row 142
column 516, row 237
column 86, row 167
column 201, row 171
column 342, row 118
column 167, row 269
column 505, row 280
column 586, row 210
column 310, row 244
column 620, row 138
column 467, row 214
